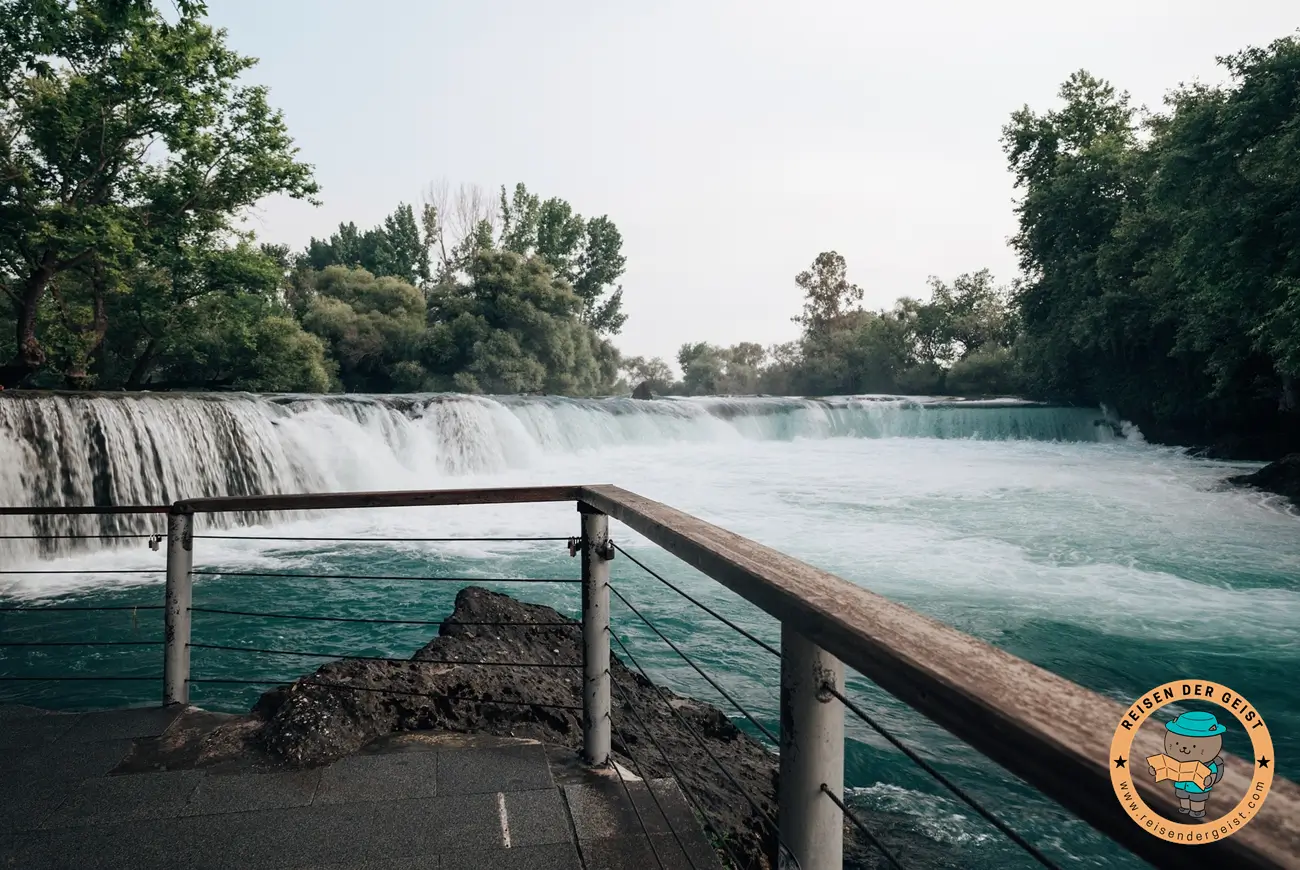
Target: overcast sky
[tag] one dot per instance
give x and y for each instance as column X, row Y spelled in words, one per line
column 730, row 141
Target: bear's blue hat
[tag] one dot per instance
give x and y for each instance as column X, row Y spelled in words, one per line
column 1196, row 724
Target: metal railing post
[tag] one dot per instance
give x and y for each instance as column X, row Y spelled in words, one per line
column 596, row 554
column 176, row 613
column 812, row 753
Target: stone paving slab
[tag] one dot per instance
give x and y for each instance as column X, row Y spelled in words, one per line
column 432, row 863
column 32, row 731
column 558, row 856
column 25, row 806
column 379, row 777
column 109, row 800
column 71, row 798
column 636, row 853
column 218, row 793
column 506, row 768
column 534, row 818
column 122, row 724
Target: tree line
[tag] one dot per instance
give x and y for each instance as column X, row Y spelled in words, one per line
column 1158, row 253
column 958, row 342
column 1160, row 258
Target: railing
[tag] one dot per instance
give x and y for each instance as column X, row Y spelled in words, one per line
column 1047, row 730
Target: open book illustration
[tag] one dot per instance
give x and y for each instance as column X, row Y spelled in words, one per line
column 1186, row 771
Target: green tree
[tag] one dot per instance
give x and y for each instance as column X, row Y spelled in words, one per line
column 374, row 328
column 397, row 248
column 1160, row 260
column 586, row 253
column 828, row 294
column 211, row 318
column 519, row 219
column 121, row 133
column 514, row 327
column 654, row 372
column 1077, row 167
column 600, row 264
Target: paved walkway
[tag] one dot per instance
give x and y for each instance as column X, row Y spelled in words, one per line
column 87, row 791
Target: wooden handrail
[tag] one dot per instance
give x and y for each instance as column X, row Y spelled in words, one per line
column 1049, row 731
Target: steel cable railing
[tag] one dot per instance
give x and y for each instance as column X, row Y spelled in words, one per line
column 360, row 620
column 78, row 608
column 867, row 833
column 299, row 539
column 684, row 657
column 315, row 681
column 853, row 817
column 694, row 733
column 383, row 690
column 81, row 537
column 640, row 820
column 700, row 604
column 384, row 577
column 36, row 645
column 25, row 643
column 861, row 826
column 85, row 571
column 347, row 657
column 960, row 793
column 681, row 781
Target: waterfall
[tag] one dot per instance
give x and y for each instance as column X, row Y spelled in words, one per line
column 114, row 449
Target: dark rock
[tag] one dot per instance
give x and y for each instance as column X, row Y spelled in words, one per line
column 1281, row 477
column 643, row 391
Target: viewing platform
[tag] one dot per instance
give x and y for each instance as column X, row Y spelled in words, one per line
column 121, row 789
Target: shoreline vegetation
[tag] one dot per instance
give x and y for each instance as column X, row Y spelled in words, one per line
column 1159, row 255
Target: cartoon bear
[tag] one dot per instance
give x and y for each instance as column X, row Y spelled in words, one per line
column 1195, row 736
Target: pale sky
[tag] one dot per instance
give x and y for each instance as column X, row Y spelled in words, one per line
column 729, row 141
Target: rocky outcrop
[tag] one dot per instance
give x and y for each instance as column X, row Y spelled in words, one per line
column 1281, row 477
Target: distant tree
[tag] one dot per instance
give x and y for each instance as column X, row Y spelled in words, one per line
column 600, row 264
column 586, row 253
column 397, row 248
column 519, row 218
column 828, row 294
column 654, row 372
column 456, row 224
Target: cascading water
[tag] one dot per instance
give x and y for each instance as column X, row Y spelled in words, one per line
column 156, row 448
column 147, row 449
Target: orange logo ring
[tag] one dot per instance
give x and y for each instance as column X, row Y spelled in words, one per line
column 1123, row 779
